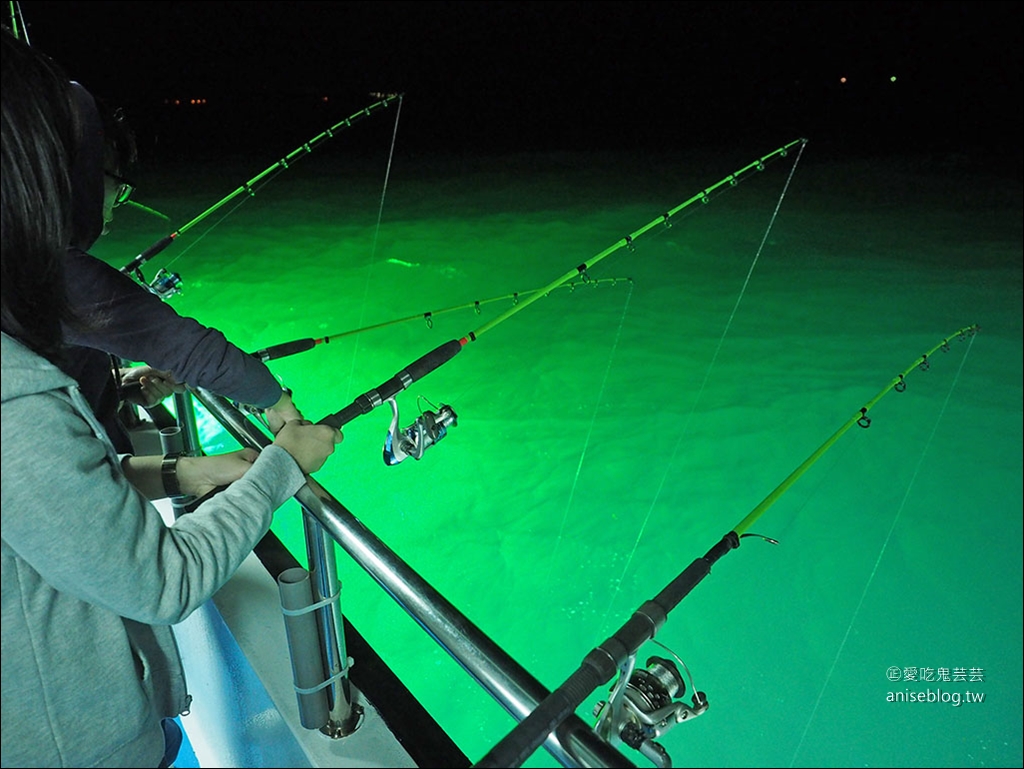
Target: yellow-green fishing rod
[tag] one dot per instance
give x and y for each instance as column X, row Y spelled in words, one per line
column 603, row 662
column 301, row 345
column 861, row 417
column 250, row 187
column 524, row 300
column 704, row 196
column 18, row 27
column 445, row 352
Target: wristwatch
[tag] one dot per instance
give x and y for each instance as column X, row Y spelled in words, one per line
column 169, row 474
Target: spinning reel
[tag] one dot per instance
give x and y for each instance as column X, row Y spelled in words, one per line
column 165, row 285
column 429, row 428
column 645, row 704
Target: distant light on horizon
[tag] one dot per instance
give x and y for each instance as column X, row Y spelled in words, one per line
column 843, row 80
column 194, row 102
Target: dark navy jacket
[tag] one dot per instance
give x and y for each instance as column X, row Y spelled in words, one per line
column 134, row 324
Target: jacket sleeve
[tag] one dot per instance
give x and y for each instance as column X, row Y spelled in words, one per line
column 68, row 496
column 136, row 325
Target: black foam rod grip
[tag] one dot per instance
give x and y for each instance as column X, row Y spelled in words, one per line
column 411, row 373
column 148, row 254
column 283, row 350
column 433, row 359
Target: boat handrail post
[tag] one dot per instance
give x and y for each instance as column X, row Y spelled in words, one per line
column 344, row 717
column 573, row 743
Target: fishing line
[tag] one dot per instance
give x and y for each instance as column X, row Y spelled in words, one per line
column 881, row 552
column 250, row 188
column 276, row 351
column 202, row 236
column 605, row 661
column 373, row 247
column 471, row 383
column 700, row 392
column 385, row 392
column 590, row 431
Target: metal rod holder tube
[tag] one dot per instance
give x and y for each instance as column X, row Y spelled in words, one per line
column 343, row 715
column 184, row 410
column 324, row 585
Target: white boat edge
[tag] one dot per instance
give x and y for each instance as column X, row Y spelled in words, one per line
column 245, row 711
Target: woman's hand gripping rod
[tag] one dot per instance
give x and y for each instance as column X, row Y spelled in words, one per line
column 375, row 397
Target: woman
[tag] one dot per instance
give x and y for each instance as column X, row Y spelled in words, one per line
column 92, row 577
column 136, row 324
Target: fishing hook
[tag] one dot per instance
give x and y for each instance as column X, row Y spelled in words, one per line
column 769, row 540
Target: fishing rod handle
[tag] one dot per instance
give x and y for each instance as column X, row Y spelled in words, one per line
column 418, row 369
column 148, row 254
column 282, row 350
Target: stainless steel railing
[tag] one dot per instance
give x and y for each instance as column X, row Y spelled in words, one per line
column 572, row 742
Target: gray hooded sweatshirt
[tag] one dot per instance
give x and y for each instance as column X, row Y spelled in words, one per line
column 93, row 578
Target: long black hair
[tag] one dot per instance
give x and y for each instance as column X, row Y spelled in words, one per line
column 38, row 133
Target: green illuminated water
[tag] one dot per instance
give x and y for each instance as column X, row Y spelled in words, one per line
column 609, row 435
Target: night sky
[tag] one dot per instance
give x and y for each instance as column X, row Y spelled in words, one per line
column 500, row 76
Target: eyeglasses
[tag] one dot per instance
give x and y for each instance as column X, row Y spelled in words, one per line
column 124, row 189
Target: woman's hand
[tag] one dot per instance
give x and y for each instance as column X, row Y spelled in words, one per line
column 147, row 386
column 309, row 444
column 282, row 412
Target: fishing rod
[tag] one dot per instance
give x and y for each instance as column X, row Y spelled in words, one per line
column 431, row 426
column 277, row 351
column 386, row 391
column 18, row 27
column 650, row 712
column 898, row 384
column 301, row 345
column 167, row 283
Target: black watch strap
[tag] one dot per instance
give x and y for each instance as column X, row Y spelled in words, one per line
column 169, row 474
